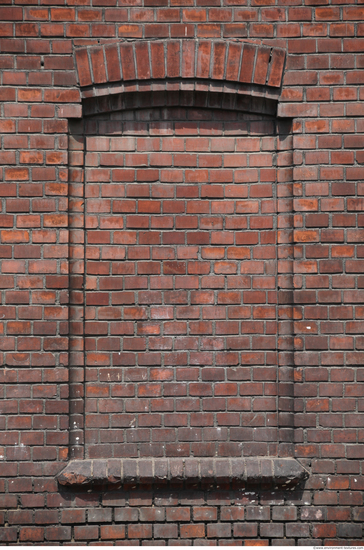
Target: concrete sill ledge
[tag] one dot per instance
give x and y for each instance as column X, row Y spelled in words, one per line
column 267, row 471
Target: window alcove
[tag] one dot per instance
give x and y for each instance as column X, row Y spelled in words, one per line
column 181, row 266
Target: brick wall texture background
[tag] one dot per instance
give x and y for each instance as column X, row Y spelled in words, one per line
column 181, row 265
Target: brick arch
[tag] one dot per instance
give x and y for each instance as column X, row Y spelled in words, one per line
column 255, row 68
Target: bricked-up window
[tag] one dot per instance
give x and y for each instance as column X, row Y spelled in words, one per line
column 178, row 268
column 181, row 283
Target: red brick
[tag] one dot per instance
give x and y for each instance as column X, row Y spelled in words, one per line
column 196, row 530
column 98, row 65
column 261, row 67
column 127, row 62
column 142, row 60
column 83, row 67
column 247, row 63
column 157, row 60
column 31, row 534
column 203, row 59
column 112, row 63
column 276, row 68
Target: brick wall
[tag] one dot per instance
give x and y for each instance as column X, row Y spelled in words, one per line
column 180, row 268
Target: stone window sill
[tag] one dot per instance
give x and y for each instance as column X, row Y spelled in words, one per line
column 267, row 471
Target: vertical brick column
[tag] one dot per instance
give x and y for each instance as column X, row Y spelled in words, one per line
column 76, row 285
column 285, row 288
column 34, row 267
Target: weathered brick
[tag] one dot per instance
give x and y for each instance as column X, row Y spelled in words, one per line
column 210, row 225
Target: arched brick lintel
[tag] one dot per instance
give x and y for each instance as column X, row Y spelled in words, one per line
column 243, row 63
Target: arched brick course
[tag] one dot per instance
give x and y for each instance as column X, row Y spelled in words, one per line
column 240, row 62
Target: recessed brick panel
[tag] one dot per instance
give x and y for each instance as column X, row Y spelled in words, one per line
column 181, row 320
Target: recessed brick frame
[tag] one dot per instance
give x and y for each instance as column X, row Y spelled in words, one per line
column 233, row 77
